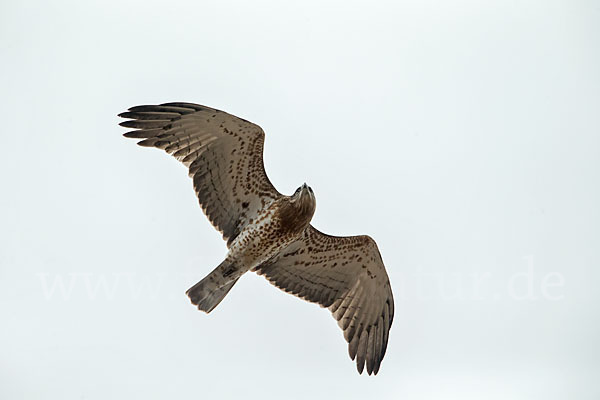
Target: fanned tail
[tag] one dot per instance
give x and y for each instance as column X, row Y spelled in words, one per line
column 210, row 291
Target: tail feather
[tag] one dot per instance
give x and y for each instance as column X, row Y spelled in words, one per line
column 210, row 291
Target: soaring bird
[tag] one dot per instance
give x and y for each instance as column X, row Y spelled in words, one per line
column 266, row 231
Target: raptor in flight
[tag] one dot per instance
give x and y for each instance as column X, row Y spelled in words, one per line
column 266, row 231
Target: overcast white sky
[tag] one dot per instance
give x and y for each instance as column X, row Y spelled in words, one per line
column 464, row 136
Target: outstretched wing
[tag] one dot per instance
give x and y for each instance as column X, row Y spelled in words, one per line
column 347, row 275
column 224, row 155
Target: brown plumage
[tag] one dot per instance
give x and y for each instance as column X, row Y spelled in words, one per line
column 268, row 232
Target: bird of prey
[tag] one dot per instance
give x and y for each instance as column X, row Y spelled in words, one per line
column 266, row 231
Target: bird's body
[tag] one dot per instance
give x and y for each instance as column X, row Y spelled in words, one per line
column 275, row 227
column 268, row 232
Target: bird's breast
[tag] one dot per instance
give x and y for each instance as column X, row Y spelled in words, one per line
column 270, row 232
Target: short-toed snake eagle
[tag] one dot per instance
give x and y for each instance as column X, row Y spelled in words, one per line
column 266, row 231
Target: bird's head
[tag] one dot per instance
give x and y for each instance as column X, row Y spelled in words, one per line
column 304, row 198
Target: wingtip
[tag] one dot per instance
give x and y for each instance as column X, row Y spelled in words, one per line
column 360, row 367
column 376, row 369
column 148, row 142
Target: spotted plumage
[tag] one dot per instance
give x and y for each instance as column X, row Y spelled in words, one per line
column 268, row 232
